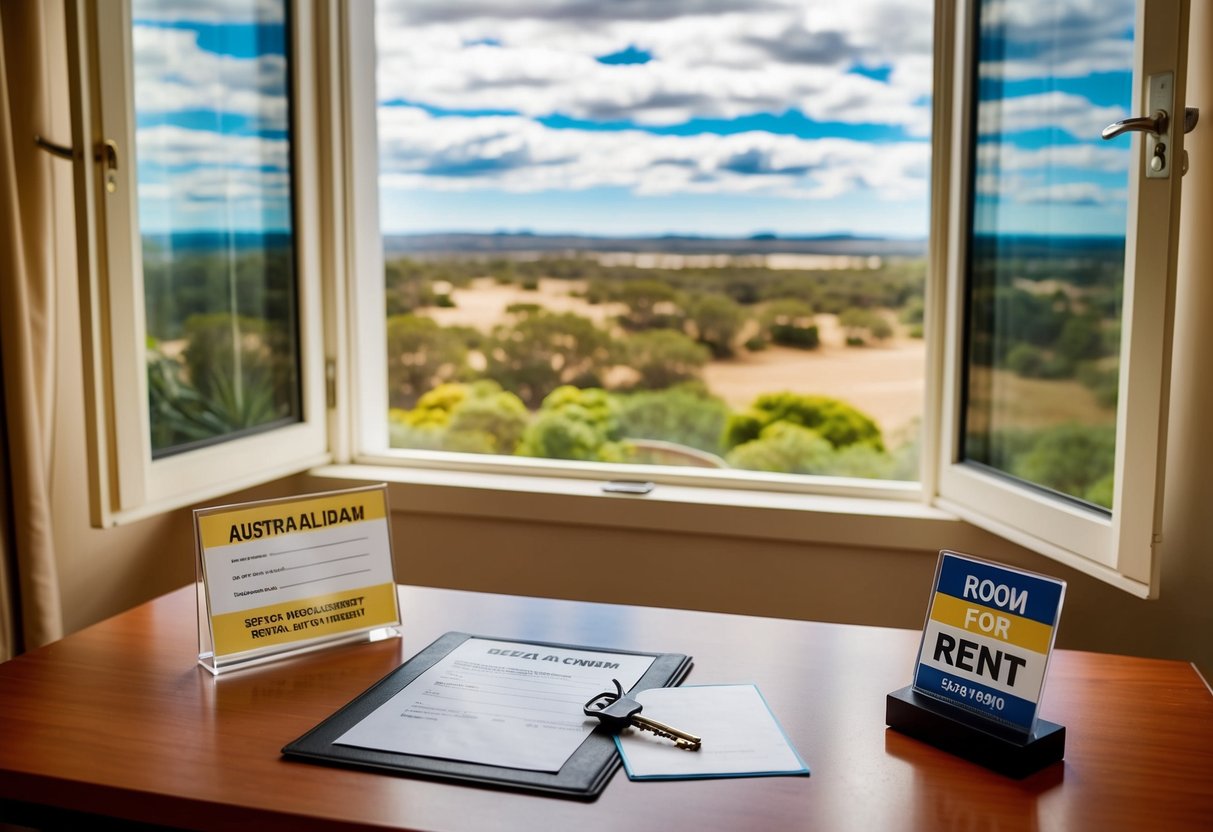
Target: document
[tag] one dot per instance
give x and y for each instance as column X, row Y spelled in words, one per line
column 741, row 737
column 500, row 703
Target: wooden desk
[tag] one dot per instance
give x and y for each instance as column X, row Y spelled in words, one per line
column 118, row 720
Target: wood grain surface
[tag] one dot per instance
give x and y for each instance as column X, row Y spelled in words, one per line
column 118, row 720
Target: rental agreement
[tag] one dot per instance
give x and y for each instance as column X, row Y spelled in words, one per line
column 499, row 703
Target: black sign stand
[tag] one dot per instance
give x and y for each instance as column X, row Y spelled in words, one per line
column 973, row 737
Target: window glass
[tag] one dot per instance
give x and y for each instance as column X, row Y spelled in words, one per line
column 213, row 148
column 1048, row 240
column 657, row 233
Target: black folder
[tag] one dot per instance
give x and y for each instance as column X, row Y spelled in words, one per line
column 583, row 775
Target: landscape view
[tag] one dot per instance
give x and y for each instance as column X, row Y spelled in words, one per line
column 680, row 233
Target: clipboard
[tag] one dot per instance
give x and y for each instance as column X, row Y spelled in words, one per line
column 583, row 775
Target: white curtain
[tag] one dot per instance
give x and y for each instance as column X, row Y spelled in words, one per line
column 29, row 597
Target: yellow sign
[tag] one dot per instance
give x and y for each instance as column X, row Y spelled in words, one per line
column 295, row 572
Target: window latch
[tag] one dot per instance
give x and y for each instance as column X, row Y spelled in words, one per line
column 107, row 155
column 1160, row 100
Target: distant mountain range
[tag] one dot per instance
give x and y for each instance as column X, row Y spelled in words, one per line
column 518, row 242
column 523, row 242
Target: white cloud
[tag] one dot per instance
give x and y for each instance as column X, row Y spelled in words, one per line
column 1006, row 157
column 211, row 11
column 1061, row 39
column 174, row 74
column 711, row 59
column 514, row 154
column 1038, row 190
column 1074, row 114
column 177, row 146
column 1069, row 193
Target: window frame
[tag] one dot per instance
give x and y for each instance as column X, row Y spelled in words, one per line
column 1120, row 547
column 126, row 483
column 342, row 316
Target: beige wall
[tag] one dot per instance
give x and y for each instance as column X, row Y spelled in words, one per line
column 105, row 571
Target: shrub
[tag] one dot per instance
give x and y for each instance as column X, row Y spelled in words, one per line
column 834, row 420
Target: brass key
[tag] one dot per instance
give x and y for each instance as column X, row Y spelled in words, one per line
column 682, row 739
column 616, row 712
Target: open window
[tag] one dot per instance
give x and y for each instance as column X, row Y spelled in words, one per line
column 1061, row 263
column 199, row 239
column 1042, row 323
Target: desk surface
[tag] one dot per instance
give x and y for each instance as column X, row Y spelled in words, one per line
column 118, row 720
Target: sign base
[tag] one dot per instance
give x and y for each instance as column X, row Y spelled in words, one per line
column 973, row 738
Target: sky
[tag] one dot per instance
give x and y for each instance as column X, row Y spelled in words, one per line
column 647, row 117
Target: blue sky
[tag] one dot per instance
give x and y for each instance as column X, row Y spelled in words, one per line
column 712, row 117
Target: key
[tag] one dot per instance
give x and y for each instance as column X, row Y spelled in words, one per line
column 616, row 712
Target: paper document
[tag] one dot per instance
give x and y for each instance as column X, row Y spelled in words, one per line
column 741, row 737
column 499, row 703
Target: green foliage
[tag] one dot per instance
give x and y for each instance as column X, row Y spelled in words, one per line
column 407, row 285
column 472, row 418
column 543, row 350
column 421, row 355
column 1027, row 360
column 644, row 300
column 862, row 324
column 1073, row 459
column 179, row 414
column 687, row 414
column 834, row 420
column 784, row 448
column 790, row 322
column 1080, row 339
column 716, row 321
column 1102, row 379
column 663, row 358
column 574, row 424
column 490, row 421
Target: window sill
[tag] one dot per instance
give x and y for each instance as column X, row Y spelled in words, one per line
column 760, row 515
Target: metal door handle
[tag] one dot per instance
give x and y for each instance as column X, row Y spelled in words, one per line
column 1156, row 124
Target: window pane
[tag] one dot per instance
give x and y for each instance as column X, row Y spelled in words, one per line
column 1047, row 251
column 213, row 148
column 652, row 233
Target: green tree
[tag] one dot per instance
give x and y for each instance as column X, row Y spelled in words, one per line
column 490, row 421
column 664, row 358
column 1073, row 459
column 862, row 324
column 244, row 366
column 474, row 418
column 543, row 350
column 644, row 300
column 421, row 355
column 574, row 424
column 716, row 321
column 407, row 286
column 686, row 414
column 790, row 322
column 834, row 420
column 784, row 448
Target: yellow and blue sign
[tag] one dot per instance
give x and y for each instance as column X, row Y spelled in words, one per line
column 987, row 639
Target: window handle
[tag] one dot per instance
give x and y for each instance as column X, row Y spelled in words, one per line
column 1155, row 124
column 107, row 155
column 1159, row 99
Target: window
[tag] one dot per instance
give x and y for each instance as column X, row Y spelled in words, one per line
column 206, row 295
column 477, row 112
column 668, row 235
column 1062, row 284
column 213, row 150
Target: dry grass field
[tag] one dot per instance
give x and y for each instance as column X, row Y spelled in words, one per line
column 885, row 381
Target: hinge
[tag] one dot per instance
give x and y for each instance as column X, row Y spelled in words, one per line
column 330, row 383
